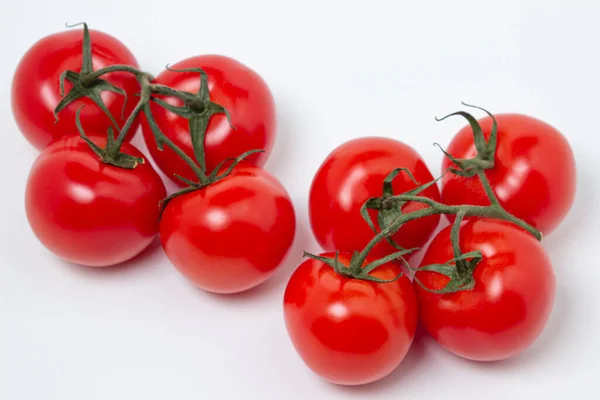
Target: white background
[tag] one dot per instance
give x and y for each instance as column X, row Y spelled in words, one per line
column 338, row 70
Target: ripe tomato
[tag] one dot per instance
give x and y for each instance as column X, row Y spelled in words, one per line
column 89, row 212
column 353, row 173
column 534, row 174
column 232, row 85
column 511, row 301
column 349, row 331
column 231, row 235
column 36, row 86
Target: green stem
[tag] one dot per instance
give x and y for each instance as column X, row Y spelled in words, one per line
column 160, row 137
column 461, row 267
column 147, row 88
column 168, row 91
column 88, row 78
column 146, row 94
column 155, row 87
column 392, row 229
column 197, row 128
column 488, row 188
column 493, row 211
column 482, row 164
column 128, row 124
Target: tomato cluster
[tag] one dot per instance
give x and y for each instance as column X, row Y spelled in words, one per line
column 89, row 203
column 484, row 288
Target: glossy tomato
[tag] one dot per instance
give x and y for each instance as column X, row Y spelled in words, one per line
column 89, row 212
column 534, row 175
column 353, row 173
column 231, row 235
column 232, row 85
column 36, row 86
column 511, row 301
column 349, row 331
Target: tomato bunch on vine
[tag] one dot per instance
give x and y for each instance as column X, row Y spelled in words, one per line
column 484, row 288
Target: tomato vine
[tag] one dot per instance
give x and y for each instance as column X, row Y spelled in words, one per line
column 390, row 217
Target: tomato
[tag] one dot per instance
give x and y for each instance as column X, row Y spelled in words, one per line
column 510, row 303
column 353, row 173
column 349, row 331
column 231, row 235
column 89, row 212
column 534, row 175
column 36, row 88
column 232, row 85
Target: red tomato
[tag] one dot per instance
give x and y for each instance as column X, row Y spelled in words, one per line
column 89, row 212
column 232, row 85
column 510, row 303
column 534, row 174
column 231, row 235
column 36, row 88
column 349, row 331
column 349, row 176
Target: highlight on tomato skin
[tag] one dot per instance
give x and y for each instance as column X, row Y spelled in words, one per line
column 534, row 176
column 88, row 212
column 351, row 174
column 510, row 303
column 233, row 85
column 35, row 90
column 349, row 331
column 232, row 235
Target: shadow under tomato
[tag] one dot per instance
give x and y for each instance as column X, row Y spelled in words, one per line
column 144, row 259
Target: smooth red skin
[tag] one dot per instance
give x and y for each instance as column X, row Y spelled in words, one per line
column 36, row 86
column 232, row 85
column 349, row 331
column 88, row 212
column 232, row 235
column 351, row 174
column 534, row 175
column 512, row 299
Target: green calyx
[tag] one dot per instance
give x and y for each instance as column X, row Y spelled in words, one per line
column 389, row 207
column 85, row 83
column 197, row 109
column 111, row 154
column 356, row 269
column 213, row 177
column 486, row 150
column 459, row 269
